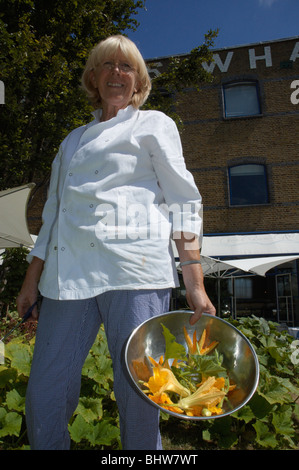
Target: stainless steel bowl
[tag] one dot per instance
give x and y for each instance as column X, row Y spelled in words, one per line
column 239, row 357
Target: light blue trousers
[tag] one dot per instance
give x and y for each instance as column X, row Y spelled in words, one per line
column 66, row 332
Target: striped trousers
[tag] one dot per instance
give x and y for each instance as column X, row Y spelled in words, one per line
column 66, row 331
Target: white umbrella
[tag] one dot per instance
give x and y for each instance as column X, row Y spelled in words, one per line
column 13, row 222
column 258, row 266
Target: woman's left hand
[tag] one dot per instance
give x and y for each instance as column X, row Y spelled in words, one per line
column 197, row 298
column 199, row 302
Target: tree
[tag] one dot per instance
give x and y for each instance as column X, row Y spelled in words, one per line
column 12, row 271
column 44, row 46
column 181, row 72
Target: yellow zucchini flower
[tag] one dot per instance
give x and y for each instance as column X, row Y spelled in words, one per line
column 199, row 347
column 164, row 401
column 207, row 395
column 163, row 380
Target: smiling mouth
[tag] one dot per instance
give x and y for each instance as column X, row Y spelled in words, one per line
column 115, row 85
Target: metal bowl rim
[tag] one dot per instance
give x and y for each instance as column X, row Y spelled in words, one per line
column 185, row 417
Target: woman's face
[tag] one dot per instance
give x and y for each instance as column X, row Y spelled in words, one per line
column 116, row 80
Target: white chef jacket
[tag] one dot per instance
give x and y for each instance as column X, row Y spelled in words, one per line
column 118, row 191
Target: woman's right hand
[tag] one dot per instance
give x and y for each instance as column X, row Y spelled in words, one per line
column 29, row 291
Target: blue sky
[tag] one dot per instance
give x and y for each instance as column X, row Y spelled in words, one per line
column 170, row 27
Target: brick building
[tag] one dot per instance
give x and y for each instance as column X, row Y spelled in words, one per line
column 241, row 142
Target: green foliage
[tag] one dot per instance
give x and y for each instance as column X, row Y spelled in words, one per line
column 182, row 72
column 270, row 419
column 12, row 272
column 95, row 421
column 172, row 348
column 273, row 412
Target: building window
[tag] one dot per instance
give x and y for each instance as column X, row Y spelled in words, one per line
column 248, row 185
column 240, row 287
column 241, row 99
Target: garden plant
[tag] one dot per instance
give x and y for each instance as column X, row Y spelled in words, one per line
column 268, row 421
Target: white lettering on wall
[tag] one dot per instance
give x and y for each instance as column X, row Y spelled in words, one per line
column 223, row 67
column 154, row 71
column 295, row 53
column 295, row 94
column 267, row 57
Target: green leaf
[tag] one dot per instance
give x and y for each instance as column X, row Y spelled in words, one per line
column 98, row 368
column 10, row 423
column 282, row 422
column 260, row 406
column 277, row 390
column 210, row 365
column 104, row 433
column 264, row 436
column 7, row 375
column 263, row 324
column 222, row 431
column 15, row 401
column 101, row 433
column 80, row 429
column 206, row 435
column 245, row 414
column 173, row 350
column 20, row 356
column 89, row 408
column 296, row 411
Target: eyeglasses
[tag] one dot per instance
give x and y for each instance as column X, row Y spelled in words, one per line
column 122, row 66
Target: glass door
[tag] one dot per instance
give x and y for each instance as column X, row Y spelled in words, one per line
column 284, row 298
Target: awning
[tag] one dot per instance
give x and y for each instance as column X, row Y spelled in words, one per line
column 227, row 255
column 257, row 266
column 13, row 223
column 260, row 244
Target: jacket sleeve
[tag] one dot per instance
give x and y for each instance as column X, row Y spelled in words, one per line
column 181, row 194
column 49, row 212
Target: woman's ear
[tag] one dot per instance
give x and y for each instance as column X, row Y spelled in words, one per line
column 92, row 78
column 137, row 87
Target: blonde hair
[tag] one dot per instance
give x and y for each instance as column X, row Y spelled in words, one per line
column 107, row 48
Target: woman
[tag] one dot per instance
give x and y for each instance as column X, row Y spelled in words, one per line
column 119, row 190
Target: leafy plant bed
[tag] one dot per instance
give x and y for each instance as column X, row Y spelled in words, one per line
column 95, row 422
column 268, row 421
